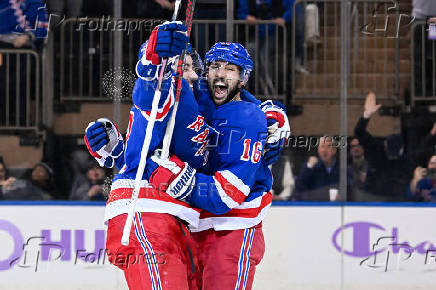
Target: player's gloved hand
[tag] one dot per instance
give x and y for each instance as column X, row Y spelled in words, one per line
column 104, row 142
column 166, row 40
column 172, row 175
column 279, row 129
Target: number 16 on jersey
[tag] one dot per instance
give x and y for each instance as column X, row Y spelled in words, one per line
column 256, row 151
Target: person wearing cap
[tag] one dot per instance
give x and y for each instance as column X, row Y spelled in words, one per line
column 40, row 186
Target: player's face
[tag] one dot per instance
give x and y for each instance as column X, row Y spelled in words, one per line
column 188, row 71
column 224, row 80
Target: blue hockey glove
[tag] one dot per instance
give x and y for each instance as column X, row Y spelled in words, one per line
column 166, row 40
column 104, row 142
column 279, row 129
column 171, row 39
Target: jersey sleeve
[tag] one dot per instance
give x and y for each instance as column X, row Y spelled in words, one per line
column 239, row 156
column 191, row 132
column 142, row 97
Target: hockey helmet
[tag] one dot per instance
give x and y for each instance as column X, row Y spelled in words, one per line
column 233, row 53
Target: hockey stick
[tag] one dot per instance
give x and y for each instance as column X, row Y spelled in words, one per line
column 146, row 145
column 170, row 126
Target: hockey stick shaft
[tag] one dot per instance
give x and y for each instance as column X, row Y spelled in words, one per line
column 170, row 126
column 146, row 145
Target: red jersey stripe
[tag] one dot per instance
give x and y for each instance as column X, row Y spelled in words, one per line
column 233, row 192
column 243, row 213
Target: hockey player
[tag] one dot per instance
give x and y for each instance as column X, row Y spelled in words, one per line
column 234, row 189
column 159, row 255
column 158, row 175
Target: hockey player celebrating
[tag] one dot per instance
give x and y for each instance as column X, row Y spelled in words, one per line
column 159, row 254
column 227, row 177
column 234, row 189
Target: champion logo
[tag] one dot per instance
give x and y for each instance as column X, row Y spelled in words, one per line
column 364, row 232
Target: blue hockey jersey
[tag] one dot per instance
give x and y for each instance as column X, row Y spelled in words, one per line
column 234, row 188
column 29, row 16
column 233, row 183
column 189, row 142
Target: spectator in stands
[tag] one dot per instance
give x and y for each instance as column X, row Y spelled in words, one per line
column 280, row 11
column 41, row 185
column 389, row 169
column 283, row 184
column 426, row 147
column 22, row 23
column 423, row 185
column 67, row 8
column 43, row 180
column 90, row 187
column 424, row 10
column 359, row 167
column 209, row 10
column 79, row 163
column 319, row 174
column 6, row 182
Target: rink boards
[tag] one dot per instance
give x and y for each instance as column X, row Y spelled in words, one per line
column 61, row 245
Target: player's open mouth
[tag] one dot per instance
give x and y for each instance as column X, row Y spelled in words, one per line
column 220, row 90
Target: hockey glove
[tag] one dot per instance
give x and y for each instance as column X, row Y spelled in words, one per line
column 279, row 129
column 174, row 176
column 104, row 142
column 166, row 40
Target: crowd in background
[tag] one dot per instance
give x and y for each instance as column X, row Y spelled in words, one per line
column 378, row 169
column 88, row 181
